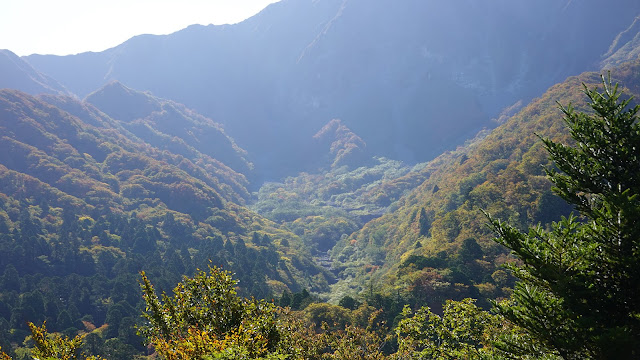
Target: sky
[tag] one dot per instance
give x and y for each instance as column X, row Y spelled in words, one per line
column 63, row 27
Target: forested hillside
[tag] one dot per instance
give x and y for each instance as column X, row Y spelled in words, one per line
column 436, row 245
column 338, row 166
column 170, row 126
column 85, row 205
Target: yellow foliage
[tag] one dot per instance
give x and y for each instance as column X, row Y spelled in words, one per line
column 4, row 356
column 54, row 346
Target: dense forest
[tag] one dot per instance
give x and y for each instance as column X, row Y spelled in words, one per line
column 177, row 197
column 576, row 295
column 75, row 248
column 85, row 206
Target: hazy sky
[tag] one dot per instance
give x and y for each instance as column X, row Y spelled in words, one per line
column 64, row 27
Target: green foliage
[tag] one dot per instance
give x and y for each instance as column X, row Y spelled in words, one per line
column 579, row 282
column 426, row 247
column 88, row 200
column 85, row 205
column 322, row 207
column 335, row 317
column 349, row 302
column 355, row 343
column 208, row 300
column 205, row 319
column 206, row 310
column 462, row 332
column 346, row 147
column 48, row 346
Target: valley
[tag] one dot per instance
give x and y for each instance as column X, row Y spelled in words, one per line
column 343, row 158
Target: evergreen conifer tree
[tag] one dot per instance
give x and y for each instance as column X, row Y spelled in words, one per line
column 579, row 289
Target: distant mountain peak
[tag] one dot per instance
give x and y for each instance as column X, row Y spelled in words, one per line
column 123, row 103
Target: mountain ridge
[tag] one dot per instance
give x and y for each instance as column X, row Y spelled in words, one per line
column 129, row 178
column 18, row 74
column 411, row 78
column 170, row 125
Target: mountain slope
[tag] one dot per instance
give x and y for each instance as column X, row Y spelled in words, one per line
column 410, row 77
column 86, row 205
column 625, row 47
column 17, row 74
column 169, row 126
column 436, row 245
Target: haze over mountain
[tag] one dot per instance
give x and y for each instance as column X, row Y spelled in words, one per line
column 410, row 77
column 15, row 73
column 381, row 127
